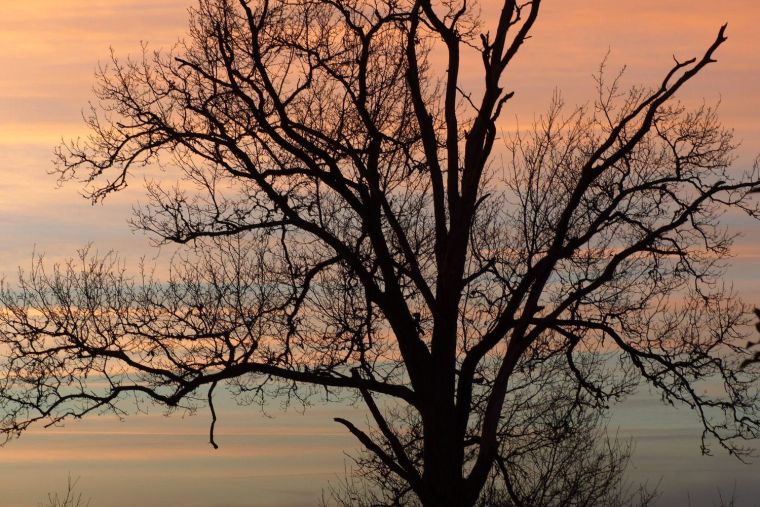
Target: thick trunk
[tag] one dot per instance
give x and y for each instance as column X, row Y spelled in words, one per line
column 443, row 484
column 442, row 479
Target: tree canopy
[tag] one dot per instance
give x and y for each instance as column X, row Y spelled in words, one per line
column 356, row 224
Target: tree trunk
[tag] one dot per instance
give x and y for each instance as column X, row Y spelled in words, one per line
column 442, row 478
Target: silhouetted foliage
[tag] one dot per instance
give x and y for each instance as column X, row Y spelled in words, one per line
column 350, row 229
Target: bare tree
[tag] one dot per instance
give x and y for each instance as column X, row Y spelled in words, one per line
column 356, row 232
column 553, row 451
column 70, row 498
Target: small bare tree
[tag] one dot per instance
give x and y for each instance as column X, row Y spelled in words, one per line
column 355, row 232
column 72, row 497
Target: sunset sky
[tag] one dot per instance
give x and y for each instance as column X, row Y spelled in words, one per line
column 48, row 53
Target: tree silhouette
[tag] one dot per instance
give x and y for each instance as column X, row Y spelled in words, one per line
column 355, row 231
column 71, row 498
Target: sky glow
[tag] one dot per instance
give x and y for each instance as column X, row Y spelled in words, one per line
column 49, row 51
